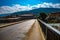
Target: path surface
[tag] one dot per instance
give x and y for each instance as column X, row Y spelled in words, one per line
column 17, row 31
column 35, row 32
column 27, row 30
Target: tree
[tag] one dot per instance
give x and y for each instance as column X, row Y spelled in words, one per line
column 43, row 15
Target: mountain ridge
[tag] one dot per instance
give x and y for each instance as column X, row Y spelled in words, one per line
column 35, row 11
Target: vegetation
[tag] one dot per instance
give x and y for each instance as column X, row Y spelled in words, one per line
column 42, row 15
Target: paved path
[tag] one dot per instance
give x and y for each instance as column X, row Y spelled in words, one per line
column 27, row 30
column 35, row 32
column 17, row 31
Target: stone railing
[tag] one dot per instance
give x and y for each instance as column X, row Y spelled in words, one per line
column 50, row 32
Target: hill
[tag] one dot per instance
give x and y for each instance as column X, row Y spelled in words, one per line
column 35, row 11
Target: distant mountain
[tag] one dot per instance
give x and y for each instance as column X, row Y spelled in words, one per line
column 35, row 11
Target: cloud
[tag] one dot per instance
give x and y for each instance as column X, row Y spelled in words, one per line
column 47, row 5
column 18, row 7
column 14, row 8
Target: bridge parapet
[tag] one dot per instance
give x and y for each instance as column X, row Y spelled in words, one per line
column 50, row 32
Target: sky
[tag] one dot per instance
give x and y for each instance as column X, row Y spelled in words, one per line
column 25, row 2
column 11, row 6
